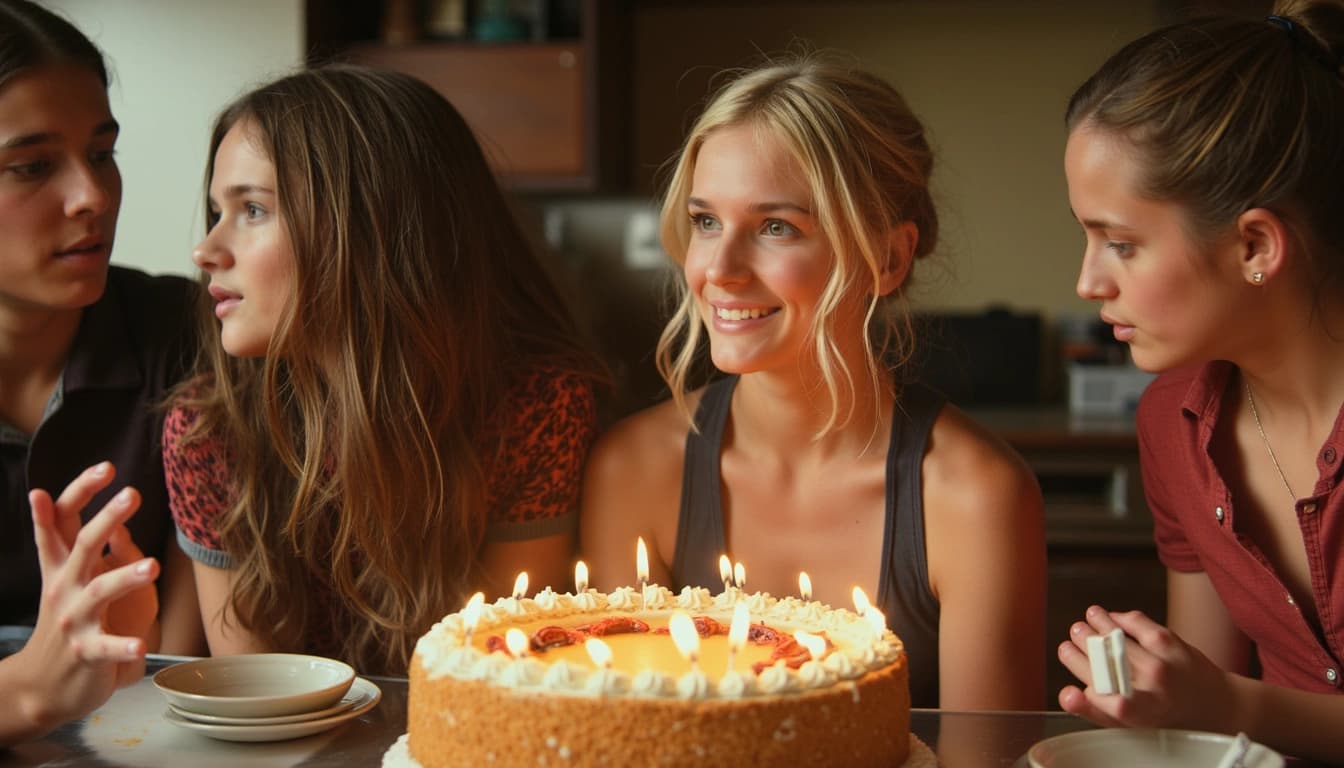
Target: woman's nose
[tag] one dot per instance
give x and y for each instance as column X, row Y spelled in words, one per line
column 1094, row 283
column 210, row 254
column 728, row 262
column 91, row 189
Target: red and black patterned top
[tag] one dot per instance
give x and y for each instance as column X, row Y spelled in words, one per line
column 546, row 423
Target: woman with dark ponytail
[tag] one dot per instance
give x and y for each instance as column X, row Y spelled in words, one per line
column 1204, row 163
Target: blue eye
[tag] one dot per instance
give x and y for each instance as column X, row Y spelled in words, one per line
column 779, row 228
column 1119, row 248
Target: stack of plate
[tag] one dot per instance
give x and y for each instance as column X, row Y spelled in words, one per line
column 263, row 696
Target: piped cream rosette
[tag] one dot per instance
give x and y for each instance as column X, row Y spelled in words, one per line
column 855, row 647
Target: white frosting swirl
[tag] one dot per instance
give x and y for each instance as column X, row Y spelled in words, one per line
column 561, row 676
column 694, row 598
column 693, row 685
column 774, row 678
column 623, row 599
column 589, row 600
column 840, row 665
column 522, row 673
column 649, row 683
column 734, row 685
column 606, row 682
column 814, row 675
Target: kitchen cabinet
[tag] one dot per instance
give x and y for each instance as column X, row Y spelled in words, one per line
column 548, row 112
column 1099, row 532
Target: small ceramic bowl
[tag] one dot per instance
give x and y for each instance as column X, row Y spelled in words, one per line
column 255, row 685
column 1152, row 748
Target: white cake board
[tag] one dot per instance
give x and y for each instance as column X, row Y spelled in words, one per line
column 399, row 755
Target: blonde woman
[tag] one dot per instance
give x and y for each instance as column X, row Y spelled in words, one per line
column 394, row 409
column 797, row 208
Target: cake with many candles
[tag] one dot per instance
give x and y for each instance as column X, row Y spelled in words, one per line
column 651, row 677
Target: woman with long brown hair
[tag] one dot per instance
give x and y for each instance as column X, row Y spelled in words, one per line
column 395, row 409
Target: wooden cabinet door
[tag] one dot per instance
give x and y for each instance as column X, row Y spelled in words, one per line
column 527, row 104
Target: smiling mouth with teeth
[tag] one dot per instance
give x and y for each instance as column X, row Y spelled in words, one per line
column 744, row 314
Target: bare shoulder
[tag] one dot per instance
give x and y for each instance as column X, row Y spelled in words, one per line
column 632, row 486
column 973, row 474
column 643, row 449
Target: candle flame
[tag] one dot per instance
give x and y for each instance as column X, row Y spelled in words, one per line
column 598, row 651
column 580, row 578
column 520, row 585
column 861, row 604
column 471, row 615
column 815, row 644
column 725, row 569
column 875, row 619
column 739, row 576
column 737, row 631
column 641, row 560
column 516, row 641
column 804, row 585
column 684, row 635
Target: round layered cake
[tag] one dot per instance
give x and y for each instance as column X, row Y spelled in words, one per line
column 481, row 697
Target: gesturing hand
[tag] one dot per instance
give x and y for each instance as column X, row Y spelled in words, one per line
column 97, row 609
column 1174, row 684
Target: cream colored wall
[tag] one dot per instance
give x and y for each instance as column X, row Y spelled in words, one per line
column 174, row 64
column 989, row 78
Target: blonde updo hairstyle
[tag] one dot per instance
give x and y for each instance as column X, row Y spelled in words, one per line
column 867, row 163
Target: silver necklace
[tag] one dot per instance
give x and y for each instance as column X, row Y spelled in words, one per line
column 1250, row 397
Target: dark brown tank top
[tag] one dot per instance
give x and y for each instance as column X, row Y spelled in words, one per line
column 903, row 592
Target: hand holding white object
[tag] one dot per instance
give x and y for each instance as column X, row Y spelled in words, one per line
column 1171, row 684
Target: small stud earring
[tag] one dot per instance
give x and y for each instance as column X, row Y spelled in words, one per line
column 1257, row 277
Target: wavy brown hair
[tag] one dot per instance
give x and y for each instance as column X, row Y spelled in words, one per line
column 867, row 163
column 1226, row 114
column 358, row 440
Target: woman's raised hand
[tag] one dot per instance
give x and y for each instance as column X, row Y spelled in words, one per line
column 98, row 607
column 1174, row 685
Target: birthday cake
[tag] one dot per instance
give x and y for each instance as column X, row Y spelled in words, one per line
column 521, row 682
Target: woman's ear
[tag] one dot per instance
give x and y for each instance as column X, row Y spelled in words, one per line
column 901, row 242
column 1264, row 239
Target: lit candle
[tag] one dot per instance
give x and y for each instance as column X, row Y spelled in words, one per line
column 516, row 641
column 739, row 577
column 471, row 615
column 520, row 586
column 737, row 632
column 861, row 604
column 815, row 644
column 642, row 568
column 725, row 572
column 600, row 653
column 686, row 637
column 580, row 578
column 804, row 586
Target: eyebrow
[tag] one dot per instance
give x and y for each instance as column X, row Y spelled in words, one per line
column 35, row 139
column 769, row 207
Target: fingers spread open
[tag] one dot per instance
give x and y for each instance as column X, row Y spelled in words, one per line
column 51, row 548
column 88, row 549
column 86, row 607
column 77, row 496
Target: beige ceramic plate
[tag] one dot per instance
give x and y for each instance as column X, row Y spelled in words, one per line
column 1151, row 748
column 255, row 685
column 280, row 731
column 360, row 691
